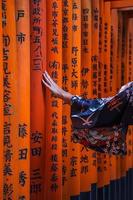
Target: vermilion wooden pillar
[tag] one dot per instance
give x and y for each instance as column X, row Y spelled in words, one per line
column 23, row 61
column 1, row 106
column 37, row 103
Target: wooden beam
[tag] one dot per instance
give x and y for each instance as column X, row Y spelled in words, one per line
column 122, row 4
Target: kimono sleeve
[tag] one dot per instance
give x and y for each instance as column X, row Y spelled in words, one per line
column 101, row 112
column 83, row 109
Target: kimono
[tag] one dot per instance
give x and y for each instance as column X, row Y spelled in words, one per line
column 101, row 124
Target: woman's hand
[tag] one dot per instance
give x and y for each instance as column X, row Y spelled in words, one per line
column 53, row 87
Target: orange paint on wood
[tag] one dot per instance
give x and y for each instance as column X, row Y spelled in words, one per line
column 85, row 70
column 75, row 89
column 94, row 73
column 1, row 107
column 11, row 176
column 37, row 103
column 121, row 4
column 23, row 61
column 66, row 85
column 53, row 105
column 114, row 35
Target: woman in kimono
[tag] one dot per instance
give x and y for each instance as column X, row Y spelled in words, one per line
column 100, row 124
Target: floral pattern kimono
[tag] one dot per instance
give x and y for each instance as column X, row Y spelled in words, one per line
column 101, row 124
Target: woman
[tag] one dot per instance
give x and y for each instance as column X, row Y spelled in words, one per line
column 100, row 124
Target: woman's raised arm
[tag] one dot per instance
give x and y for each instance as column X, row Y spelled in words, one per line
column 57, row 91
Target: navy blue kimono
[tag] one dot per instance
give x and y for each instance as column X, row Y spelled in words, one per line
column 101, row 124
